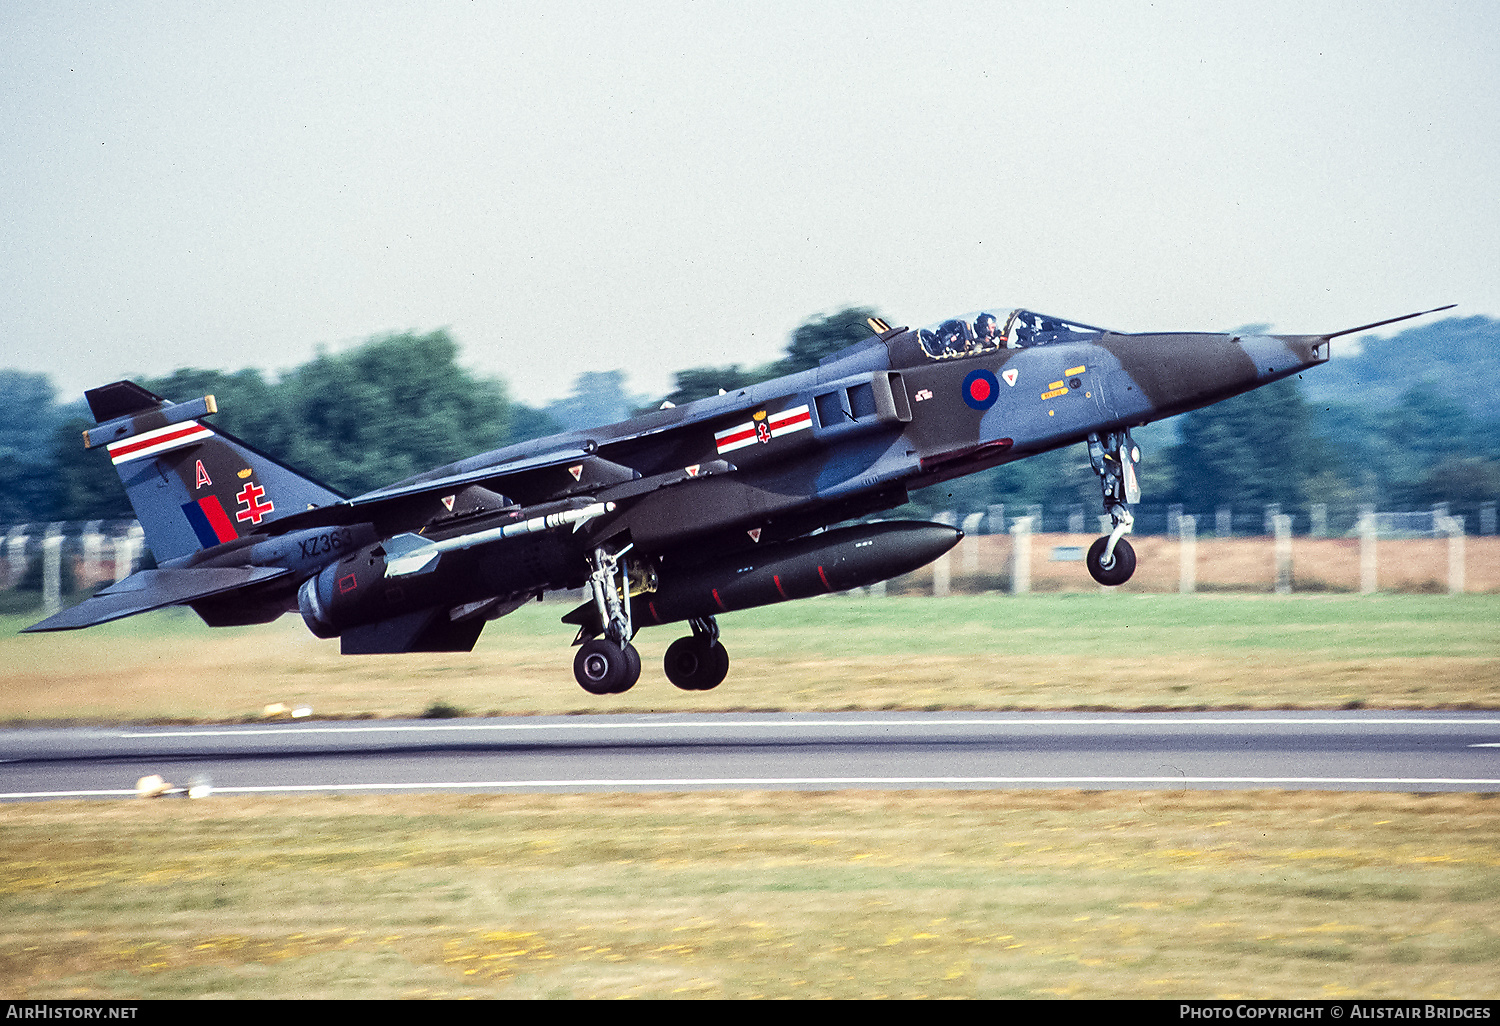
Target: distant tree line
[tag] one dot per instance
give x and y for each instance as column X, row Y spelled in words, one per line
column 389, row 408
column 396, row 405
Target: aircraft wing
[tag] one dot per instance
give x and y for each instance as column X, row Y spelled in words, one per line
column 494, row 476
column 152, row 589
column 549, row 477
column 513, row 479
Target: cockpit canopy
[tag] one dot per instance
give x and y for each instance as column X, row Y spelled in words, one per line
column 986, row 331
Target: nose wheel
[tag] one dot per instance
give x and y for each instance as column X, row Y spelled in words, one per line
column 1119, row 566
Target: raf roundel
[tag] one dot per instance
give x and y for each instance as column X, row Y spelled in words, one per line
column 981, row 389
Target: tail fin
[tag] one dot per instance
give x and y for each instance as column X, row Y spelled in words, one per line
column 192, row 487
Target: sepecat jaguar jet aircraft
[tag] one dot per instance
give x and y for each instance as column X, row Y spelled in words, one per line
column 677, row 515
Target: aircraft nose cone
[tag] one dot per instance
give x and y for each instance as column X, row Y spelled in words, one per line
column 1276, row 356
column 1311, row 350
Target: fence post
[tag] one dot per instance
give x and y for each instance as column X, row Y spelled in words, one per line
column 1187, row 550
column 1455, row 528
column 1224, row 522
column 1020, row 556
column 1273, row 510
column 997, row 518
column 15, row 551
column 126, row 546
column 1367, row 530
column 1282, row 524
column 1318, row 515
column 52, row 544
column 972, row 523
column 93, row 541
column 1486, row 518
column 942, row 567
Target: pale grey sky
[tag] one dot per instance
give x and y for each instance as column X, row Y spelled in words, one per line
column 652, row 186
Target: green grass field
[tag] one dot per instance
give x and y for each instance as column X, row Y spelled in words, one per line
column 1066, row 651
column 854, row 894
column 850, row 894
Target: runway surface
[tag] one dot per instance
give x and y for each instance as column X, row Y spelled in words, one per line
column 1357, row 750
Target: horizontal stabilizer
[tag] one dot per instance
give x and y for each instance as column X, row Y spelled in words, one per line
column 152, row 589
column 155, row 432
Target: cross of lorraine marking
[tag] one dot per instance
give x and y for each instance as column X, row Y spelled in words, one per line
column 254, row 510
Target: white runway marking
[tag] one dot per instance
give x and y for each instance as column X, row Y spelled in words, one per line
column 699, row 724
column 835, row 782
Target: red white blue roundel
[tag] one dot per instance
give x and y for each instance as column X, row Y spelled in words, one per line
column 981, row 389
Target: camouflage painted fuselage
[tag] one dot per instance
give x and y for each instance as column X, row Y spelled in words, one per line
column 883, row 418
column 686, row 492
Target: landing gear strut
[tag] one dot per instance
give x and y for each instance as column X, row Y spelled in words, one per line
column 1114, row 456
column 697, row 662
column 609, row 665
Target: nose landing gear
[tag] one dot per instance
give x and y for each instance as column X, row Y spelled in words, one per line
column 1115, row 568
column 1114, row 456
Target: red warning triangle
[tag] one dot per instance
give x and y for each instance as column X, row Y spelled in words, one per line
column 448, row 502
column 754, row 534
column 692, row 471
column 577, row 471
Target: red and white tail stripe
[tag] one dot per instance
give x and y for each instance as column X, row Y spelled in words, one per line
column 149, row 443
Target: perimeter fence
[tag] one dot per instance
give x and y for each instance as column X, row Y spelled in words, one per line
column 45, row 566
column 1316, row 520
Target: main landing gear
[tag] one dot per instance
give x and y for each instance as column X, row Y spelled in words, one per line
column 610, row 665
column 605, row 667
column 697, row 662
column 1114, row 456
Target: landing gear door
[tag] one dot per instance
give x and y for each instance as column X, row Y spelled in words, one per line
column 1131, row 460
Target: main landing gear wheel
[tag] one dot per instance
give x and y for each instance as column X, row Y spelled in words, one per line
column 604, row 668
column 696, row 663
column 1118, row 570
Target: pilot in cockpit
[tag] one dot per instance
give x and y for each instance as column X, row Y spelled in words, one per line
column 986, row 334
column 952, row 338
column 1024, row 333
